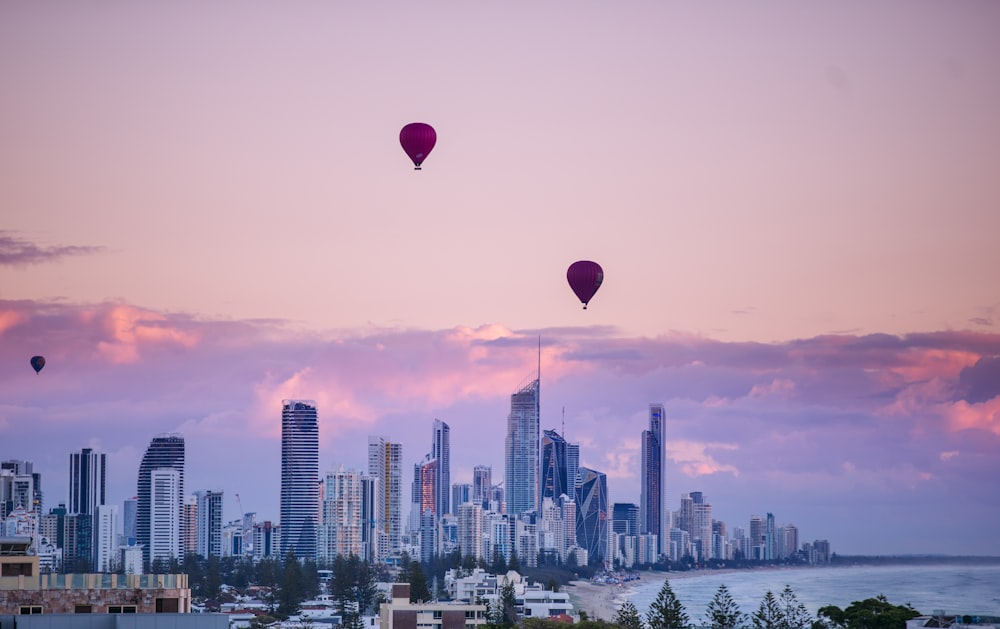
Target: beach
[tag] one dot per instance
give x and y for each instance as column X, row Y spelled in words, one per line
column 601, row 601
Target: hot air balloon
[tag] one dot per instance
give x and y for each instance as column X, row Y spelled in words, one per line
column 418, row 139
column 585, row 278
column 37, row 362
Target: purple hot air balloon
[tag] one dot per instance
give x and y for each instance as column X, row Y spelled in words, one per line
column 585, row 278
column 418, row 139
column 37, row 362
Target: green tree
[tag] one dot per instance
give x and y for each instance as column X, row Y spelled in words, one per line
column 793, row 613
column 291, row 593
column 723, row 612
column 666, row 612
column 212, row 583
column 627, row 616
column 768, row 615
column 508, row 604
column 419, row 590
column 871, row 613
column 553, row 585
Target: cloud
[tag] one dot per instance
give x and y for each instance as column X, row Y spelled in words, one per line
column 757, row 426
column 16, row 251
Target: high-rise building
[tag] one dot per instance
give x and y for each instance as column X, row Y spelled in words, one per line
column 651, row 498
column 88, row 472
column 208, row 527
column 482, row 481
column 369, row 507
column 165, row 492
column 20, row 486
column 106, row 545
column 770, row 538
column 555, row 475
column 701, row 529
column 756, row 537
column 385, row 462
column 128, row 520
column 625, row 518
column 340, row 532
column 461, row 493
column 189, row 525
column 441, row 450
column 424, row 516
column 299, row 478
column 164, row 451
column 592, row 513
column 470, row 529
column 521, row 461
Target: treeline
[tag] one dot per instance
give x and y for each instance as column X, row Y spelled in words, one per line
column 915, row 560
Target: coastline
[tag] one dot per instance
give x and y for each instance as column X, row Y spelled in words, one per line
column 601, row 601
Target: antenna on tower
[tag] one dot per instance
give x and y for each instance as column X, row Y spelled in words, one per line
column 564, row 423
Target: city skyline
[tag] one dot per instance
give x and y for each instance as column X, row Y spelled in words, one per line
column 795, row 208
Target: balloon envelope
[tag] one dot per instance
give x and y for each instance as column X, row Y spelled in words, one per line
column 37, row 362
column 417, row 139
column 585, row 277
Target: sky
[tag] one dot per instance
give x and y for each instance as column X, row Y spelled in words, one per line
column 204, row 210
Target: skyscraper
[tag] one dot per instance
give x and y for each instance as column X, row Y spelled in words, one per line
column 299, row 478
column 208, row 528
column 557, row 458
column 441, row 450
column 482, row 482
column 521, row 452
column 164, row 451
column 87, row 484
column 341, row 530
column 423, row 516
column 385, row 461
column 651, row 501
column 165, row 496
column 87, row 481
column 592, row 513
column 20, row 486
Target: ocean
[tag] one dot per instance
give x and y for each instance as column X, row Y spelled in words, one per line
column 930, row 589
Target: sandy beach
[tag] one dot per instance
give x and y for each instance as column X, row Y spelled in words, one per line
column 602, row 601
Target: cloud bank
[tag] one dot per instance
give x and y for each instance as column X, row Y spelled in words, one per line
column 855, row 439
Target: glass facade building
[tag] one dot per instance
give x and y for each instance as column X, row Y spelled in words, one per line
column 651, row 500
column 521, row 452
column 164, row 451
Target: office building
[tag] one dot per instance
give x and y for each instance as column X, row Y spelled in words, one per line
column 556, row 478
column 482, row 482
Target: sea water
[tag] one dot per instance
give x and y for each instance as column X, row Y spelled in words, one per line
column 930, row 589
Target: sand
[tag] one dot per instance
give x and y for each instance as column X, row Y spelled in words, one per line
column 601, row 602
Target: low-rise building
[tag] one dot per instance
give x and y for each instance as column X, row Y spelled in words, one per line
column 25, row 591
column 400, row 613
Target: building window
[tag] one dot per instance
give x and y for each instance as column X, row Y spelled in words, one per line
column 121, row 609
column 83, row 609
column 31, row 609
column 167, row 606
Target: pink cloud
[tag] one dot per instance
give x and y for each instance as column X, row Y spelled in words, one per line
column 983, row 416
column 694, row 459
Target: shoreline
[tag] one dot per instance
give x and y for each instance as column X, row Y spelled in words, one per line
column 602, row 601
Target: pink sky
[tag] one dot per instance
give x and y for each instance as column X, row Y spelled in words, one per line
column 797, row 206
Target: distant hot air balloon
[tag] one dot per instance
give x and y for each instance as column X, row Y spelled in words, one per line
column 585, row 278
column 37, row 362
column 418, row 139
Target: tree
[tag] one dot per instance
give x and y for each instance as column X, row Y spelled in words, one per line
column 508, row 604
column 291, row 593
column 768, row 615
column 871, row 613
column 666, row 612
column 627, row 616
column 793, row 613
column 553, row 586
column 723, row 612
column 419, row 590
